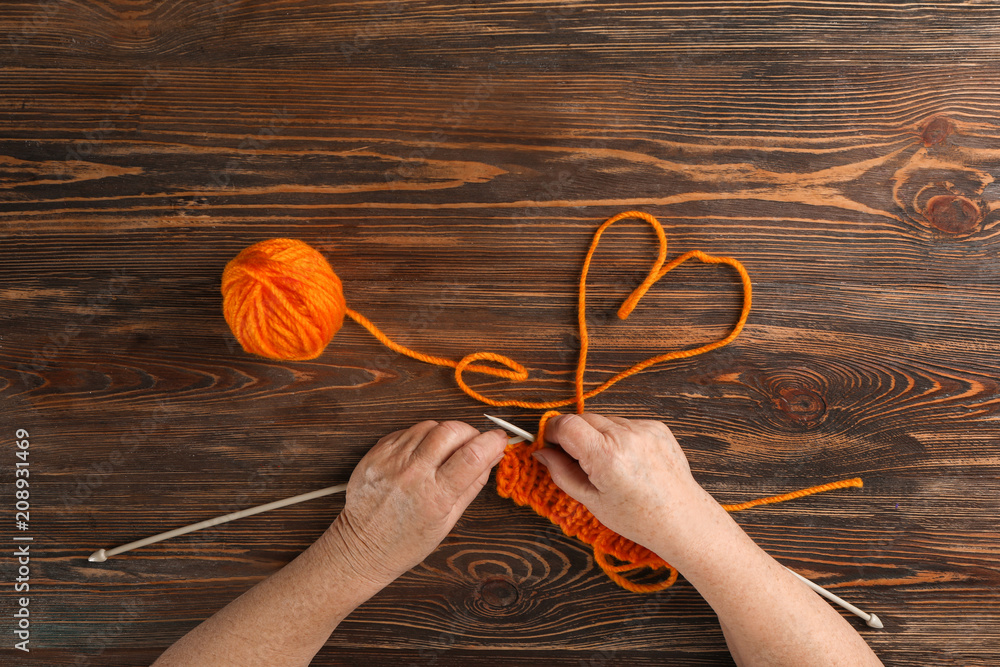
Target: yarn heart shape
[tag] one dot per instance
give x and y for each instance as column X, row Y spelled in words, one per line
column 516, row 371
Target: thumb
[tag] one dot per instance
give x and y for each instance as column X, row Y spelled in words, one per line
column 567, row 474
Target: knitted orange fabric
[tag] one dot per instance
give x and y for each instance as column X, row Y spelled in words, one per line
column 283, row 301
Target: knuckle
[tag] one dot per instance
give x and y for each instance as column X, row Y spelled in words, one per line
column 457, row 428
column 473, row 456
column 612, row 439
column 655, row 426
column 387, row 440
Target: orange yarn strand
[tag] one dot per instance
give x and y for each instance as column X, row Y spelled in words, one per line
column 842, row 484
column 657, row 272
column 517, row 372
column 282, row 300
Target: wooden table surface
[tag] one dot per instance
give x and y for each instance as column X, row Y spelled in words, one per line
column 452, row 160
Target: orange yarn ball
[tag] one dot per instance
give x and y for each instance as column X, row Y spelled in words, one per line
column 282, row 300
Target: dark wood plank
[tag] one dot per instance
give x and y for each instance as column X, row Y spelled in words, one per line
column 570, row 36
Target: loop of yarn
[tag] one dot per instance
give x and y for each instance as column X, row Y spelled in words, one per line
column 283, row 301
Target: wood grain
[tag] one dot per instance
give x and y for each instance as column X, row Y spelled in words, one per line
column 452, row 160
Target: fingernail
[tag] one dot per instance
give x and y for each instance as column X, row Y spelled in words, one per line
column 541, row 458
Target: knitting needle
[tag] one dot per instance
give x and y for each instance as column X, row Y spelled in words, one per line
column 872, row 620
column 516, row 430
column 102, row 555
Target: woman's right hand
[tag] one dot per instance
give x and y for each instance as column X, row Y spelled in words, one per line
column 631, row 474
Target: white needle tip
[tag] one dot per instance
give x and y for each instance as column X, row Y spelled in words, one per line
column 872, row 620
column 510, row 427
column 98, row 556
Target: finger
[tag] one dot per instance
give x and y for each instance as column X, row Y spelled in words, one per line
column 567, row 474
column 388, row 440
column 603, row 424
column 577, row 436
column 408, row 438
column 441, row 441
column 655, row 427
column 394, row 449
column 470, row 493
column 468, row 463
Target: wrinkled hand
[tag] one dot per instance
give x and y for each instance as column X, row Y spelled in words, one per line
column 408, row 492
column 632, row 475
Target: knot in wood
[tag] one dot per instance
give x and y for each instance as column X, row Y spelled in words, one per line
column 498, row 593
column 936, row 130
column 800, row 404
column 953, row 214
column 796, row 397
column 941, row 195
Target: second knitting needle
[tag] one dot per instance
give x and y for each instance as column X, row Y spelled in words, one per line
column 871, row 620
column 102, row 555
